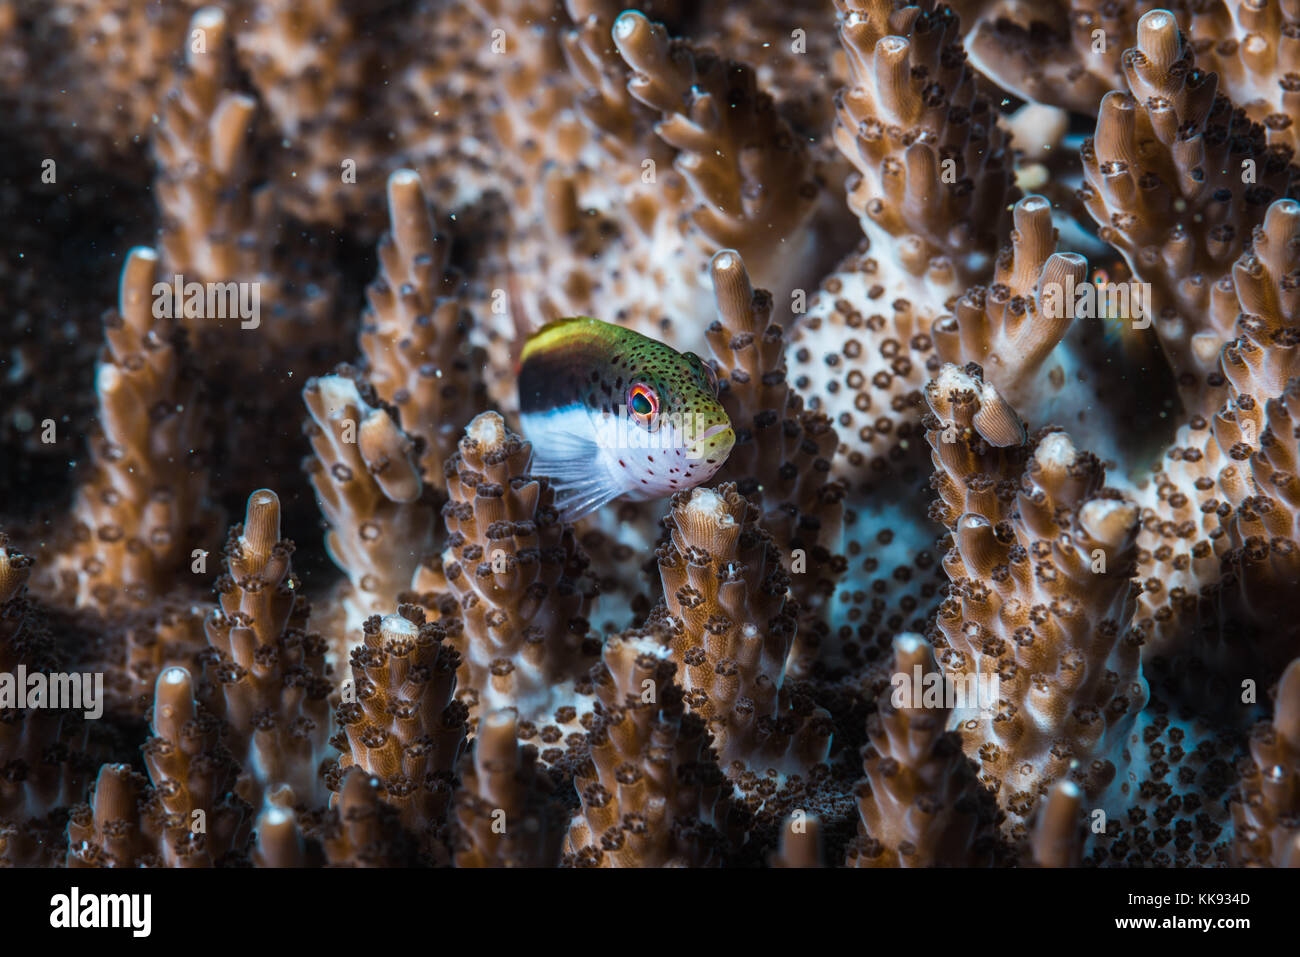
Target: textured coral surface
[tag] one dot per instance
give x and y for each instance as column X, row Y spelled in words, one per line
column 1003, row 569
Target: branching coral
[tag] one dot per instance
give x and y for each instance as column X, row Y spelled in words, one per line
column 416, row 335
column 801, row 844
column 920, row 802
column 401, row 726
column 752, row 177
column 312, row 64
column 1216, row 513
column 516, row 572
column 201, row 150
column 270, row 672
column 113, row 829
column 217, row 226
column 367, row 479
column 368, row 207
column 1040, row 562
column 116, row 53
column 932, row 176
column 652, row 795
column 504, row 812
column 190, row 815
column 1057, row 841
column 1175, row 141
column 361, row 829
column 45, row 754
column 1011, row 327
column 1267, row 814
column 730, row 633
column 171, row 633
column 1071, row 54
column 782, row 457
column 141, row 510
column 912, row 111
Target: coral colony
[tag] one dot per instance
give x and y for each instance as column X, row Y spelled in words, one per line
column 995, row 311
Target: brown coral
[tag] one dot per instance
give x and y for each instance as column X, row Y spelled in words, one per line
column 398, row 722
column 416, row 333
column 1267, row 810
column 1174, row 142
column 532, row 159
column 782, row 457
column 367, row 479
column 920, row 803
column 1041, row 557
column 269, row 671
column 141, row 510
column 504, row 810
column 652, row 795
column 515, row 571
column 730, row 632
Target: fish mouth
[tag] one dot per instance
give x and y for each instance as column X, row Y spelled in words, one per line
column 698, row 449
column 713, row 430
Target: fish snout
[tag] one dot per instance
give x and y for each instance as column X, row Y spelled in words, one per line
column 714, row 442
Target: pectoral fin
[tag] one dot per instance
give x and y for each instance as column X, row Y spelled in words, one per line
column 574, row 466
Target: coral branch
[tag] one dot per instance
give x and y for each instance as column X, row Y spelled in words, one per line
column 751, row 178
column 1041, row 559
column 367, row 479
column 515, row 571
column 730, row 633
column 782, row 455
column 1011, row 326
column 1267, row 807
column 270, row 671
column 400, row 726
column 1057, row 840
column 920, row 803
column 45, row 749
column 652, row 795
column 505, row 807
column 1175, row 144
column 142, row 510
column 415, row 335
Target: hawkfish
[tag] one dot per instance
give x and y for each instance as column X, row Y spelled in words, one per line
column 612, row 414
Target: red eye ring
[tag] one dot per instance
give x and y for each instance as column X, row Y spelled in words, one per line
column 642, row 402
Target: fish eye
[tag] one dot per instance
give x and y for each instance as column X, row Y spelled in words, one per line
column 643, row 402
